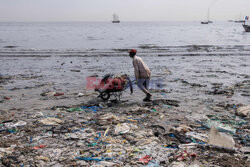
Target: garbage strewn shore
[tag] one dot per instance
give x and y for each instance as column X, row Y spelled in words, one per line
column 199, row 115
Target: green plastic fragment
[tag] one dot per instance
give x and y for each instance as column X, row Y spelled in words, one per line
column 154, row 110
column 75, row 109
column 92, row 144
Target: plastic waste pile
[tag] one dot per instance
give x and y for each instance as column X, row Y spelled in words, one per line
column 144, row 135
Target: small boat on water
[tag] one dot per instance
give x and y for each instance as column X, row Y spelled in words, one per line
column 245, row 26
column 204, row 22
column 208, row 21
column 115, row 18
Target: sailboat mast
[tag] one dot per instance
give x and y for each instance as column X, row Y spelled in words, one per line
column 208, row 15
column 115, row 17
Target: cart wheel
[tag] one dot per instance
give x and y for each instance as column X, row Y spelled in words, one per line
column 105, row 95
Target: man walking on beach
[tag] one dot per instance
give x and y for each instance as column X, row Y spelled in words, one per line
column 142, row 74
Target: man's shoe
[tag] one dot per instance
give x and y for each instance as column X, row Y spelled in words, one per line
column 148, row 97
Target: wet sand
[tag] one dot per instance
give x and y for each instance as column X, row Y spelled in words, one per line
column 200, row 84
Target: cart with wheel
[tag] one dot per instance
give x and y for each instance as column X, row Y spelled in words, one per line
column 112, row 85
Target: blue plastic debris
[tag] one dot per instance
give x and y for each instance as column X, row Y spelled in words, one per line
column 75, row 130
column 93, row 159
column 89, row 122
column 92, row 108
column 31, row 139
column 171, row 146
column 198, row 142
column 172, row 135
column 12, row 130
column 89, row 159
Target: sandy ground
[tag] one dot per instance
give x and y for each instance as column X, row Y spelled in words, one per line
column 185, row 90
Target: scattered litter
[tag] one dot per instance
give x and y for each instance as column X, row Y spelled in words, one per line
column 93, row 158
column 58, row 94
column 14, row 125
column 106, row 163
column 51, row 121
column 220, row 139
column 91, row 108
column 148, row 134
column 48, row 94
column 46, row 159
column 185, row 156
column 7, row 98
column 6, row 151
column 80, row 94
column 75, row 109
column 122, row 128
column 243, row 111
column 177, row 164
column 39, row 147
column 145, row 160
column 152, row 164
column 199, row 136
column 219, row 126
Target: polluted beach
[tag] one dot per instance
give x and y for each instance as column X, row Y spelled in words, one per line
column 120, row 88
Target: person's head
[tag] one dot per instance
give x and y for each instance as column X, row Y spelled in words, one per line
column 132, row 53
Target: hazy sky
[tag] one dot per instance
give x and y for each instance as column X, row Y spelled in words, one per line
column 128, row 10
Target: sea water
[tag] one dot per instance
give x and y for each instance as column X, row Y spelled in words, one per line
column 87, row 36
